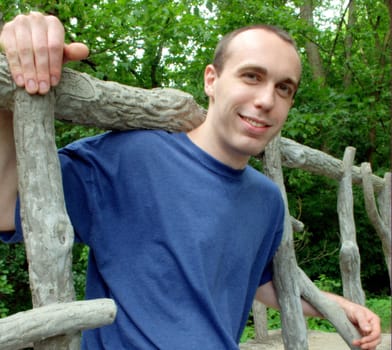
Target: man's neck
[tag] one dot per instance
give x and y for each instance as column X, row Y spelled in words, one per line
column 204, row 137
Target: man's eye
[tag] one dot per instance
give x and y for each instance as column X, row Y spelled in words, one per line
column 251, row 77
column 285, row 90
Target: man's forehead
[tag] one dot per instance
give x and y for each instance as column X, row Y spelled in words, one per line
column 254, row 45
column 255, row 37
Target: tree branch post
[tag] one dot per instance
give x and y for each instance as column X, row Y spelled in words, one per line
column 48, row 233
column 380, row 218
column 47, row 230
column 24, row 328
column 285, row 264
column 350, row 260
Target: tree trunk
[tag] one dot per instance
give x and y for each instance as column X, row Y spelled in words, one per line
column 389, row 4
column 348, row 43
column 312, row 51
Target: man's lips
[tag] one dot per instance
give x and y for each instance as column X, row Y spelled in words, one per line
column 254, row 122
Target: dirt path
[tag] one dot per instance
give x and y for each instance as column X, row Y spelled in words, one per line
column 317, row 341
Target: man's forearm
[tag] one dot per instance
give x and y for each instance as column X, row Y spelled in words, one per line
column 8, row 175
column 266, row 294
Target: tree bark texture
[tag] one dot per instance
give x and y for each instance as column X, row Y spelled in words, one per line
column 259, row 310
column 285, row 264
column 52, row 320
column 312, row 51
column 47, row 229
column 260, row 320
column 85, row 100
column 295, row 155
column 48, row 233
column 329, row 309
column 380, row 218
column 348, row 42
column 349, row 258
column 291, row 282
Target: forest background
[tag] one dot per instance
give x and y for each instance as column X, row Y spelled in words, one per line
column 344, row 100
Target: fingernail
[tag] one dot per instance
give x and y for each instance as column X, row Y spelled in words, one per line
column 19, row 80
column 43, row 87
column 53, row 81
column 31, row 85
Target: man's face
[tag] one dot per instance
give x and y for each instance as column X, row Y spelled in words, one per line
column 251, row 97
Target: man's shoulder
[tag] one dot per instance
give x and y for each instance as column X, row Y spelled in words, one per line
column 119, row 140
column 258, row 177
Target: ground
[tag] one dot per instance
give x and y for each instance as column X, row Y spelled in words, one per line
column 317, row 341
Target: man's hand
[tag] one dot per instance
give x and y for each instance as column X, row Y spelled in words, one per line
column 35, row 49
column 367, row 322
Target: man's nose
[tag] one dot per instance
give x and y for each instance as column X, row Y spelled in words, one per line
column 265, row 97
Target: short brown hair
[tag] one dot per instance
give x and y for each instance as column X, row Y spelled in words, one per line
column 221, row 50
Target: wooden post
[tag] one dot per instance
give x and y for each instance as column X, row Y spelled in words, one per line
column 291, row 283
column 260, row 321
column 24, row 328
column 48, row 233
column 380, row 218
column 285, row 264
column 350, row 260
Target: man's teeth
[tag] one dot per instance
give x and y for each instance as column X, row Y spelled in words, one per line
column 254, row 122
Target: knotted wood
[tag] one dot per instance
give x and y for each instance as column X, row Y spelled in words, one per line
column 349, row 258
column 285, row 264
column 290, row 281
column 54, row 320
column 379, row 216
column 48, row 233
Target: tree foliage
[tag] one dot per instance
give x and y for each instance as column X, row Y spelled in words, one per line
column 156, row 43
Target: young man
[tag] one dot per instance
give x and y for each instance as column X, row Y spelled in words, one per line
column 181, row 231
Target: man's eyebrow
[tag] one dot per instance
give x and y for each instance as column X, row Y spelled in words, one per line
column 254, row 68
column 264, row 71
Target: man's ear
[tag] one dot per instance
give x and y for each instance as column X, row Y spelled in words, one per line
column 210, row 76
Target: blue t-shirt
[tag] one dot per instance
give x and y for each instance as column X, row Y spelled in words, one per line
column 177, row 239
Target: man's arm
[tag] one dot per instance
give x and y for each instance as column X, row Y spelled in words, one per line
column 8, row 177
column 365, row 320
column 35, row 50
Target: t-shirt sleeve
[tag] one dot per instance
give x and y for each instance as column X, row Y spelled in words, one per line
column 77, row 180
column 78, row 184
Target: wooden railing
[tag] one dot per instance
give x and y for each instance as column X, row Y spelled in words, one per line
column 48, row 234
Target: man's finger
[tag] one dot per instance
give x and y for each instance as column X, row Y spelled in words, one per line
column 75, row 52
column 55, row 49
column 39, row 38
column 10, row 48
column 22, row 34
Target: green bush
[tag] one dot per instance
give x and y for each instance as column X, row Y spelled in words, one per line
column 79, row 267
column 381, row 307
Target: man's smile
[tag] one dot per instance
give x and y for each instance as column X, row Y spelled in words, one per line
column 254, row 122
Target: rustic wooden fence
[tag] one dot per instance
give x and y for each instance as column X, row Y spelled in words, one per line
column 56, row 319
